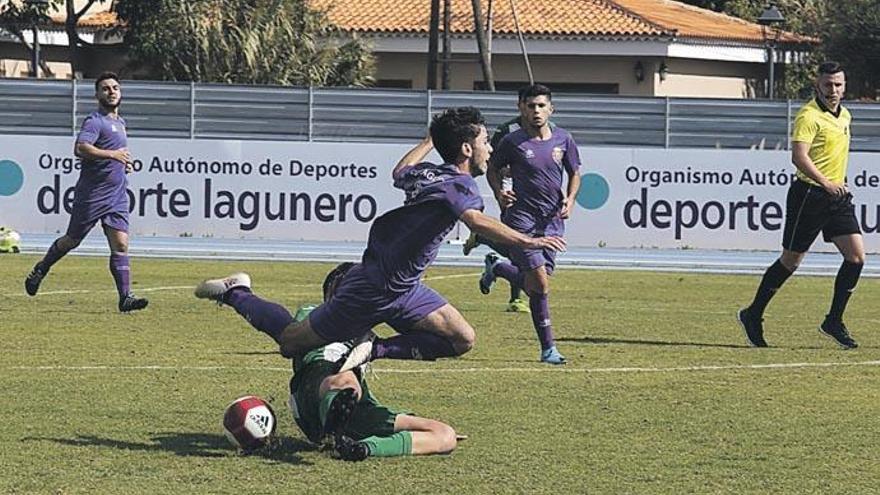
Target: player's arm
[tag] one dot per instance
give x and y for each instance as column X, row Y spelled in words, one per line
column 91, row 152
column 413, row 157
column 800, row 157
column 574, row 185
column 494, row 230
column 493, row 175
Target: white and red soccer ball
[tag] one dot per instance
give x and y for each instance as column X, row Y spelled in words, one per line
column 249, row 423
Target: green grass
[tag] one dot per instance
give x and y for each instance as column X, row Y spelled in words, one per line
column 588, row 427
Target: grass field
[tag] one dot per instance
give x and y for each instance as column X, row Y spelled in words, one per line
column 660, row 396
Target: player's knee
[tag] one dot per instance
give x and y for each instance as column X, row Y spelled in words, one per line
column 67, row 243
column 464, row 340
column 856, row 259
column 446, row 438
column 341, row 381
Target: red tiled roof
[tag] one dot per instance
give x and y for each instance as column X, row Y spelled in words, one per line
column 576, row 18
column 561, row 18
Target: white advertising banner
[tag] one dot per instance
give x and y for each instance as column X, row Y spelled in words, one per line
column 731, row 199
column 680, row 198
column 204, row 188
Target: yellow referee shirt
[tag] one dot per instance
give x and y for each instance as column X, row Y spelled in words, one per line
column 828, row 137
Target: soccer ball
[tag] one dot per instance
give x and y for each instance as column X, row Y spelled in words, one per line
column 10, row 240
column 249, row 423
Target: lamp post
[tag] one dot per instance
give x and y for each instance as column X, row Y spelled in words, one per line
column 39, row 6
column 771, row 22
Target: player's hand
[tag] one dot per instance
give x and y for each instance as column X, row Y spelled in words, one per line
column 121, row 155
column 506, row 199
column 836, row 190
column 565, row 211
column 550, row 242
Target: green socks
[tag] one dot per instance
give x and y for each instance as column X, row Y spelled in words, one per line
column 395, row 445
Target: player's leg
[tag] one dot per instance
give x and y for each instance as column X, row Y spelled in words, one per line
column 441, row 333
column 120, row 268
column 339, row 394
column 429, row 436
column 266, row 316
column 805, row 215
column 537, row 286
column 77, row 229
column 852, row 247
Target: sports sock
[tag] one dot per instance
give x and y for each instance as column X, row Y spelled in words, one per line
column 774, row 277
column 54, row 254
column 394, row 445
column 414, row 345
column 540, row 307
column 266, row 316
column 844, row 285
column 324, row 406
column 121, row 273
column 515, row 291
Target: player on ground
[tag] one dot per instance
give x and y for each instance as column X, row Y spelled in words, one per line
column 538, row 156
column 818, row 200
column 386, row 286
column 100, row 193
column 515, row 304
column 325, row 401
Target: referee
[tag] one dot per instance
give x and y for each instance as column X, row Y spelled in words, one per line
column 817, row 201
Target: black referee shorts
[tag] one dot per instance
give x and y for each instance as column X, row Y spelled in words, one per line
column 809, row 209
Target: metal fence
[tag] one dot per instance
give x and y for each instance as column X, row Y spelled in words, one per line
column 217, row 111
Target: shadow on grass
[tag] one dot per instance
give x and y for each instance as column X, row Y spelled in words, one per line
column 606, row 340
column 190, row 444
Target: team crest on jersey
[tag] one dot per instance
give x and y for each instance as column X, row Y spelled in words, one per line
column 558, row 152
column 113, row 128
column 530, row 154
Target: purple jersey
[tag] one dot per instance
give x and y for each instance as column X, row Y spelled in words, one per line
column 404, row 241
column 536, row 167
column 102, row 183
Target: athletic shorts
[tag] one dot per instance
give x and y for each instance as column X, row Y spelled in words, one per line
column 809, row 210
column 358, row 305
column 83, row 220
column 534, row 225
column 369, row 417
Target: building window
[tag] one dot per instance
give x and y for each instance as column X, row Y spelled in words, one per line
column 559, row 87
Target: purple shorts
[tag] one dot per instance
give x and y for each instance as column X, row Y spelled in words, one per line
column 534, row 225
column 82, row 220
column 359, row 305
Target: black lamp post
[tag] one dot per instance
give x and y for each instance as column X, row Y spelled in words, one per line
column 771, row 22
column 41, row 6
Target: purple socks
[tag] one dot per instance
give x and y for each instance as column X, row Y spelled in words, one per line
column 52, row 256
column 541, row 318
column 416, row 345
column 267, row 317
column 120, row 270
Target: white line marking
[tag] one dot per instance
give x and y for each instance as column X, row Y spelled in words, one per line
column 433, row 370
column 192, row 287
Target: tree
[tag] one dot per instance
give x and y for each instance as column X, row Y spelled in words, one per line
column 16, row 17
column 242, row 41
column 75, row 44
column 849, row 32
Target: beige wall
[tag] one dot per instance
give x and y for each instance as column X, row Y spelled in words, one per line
column 694, row 78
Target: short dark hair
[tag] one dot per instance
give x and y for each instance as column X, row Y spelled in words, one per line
column 104, row 76
column 452, row 128
column 534, row 90
column 830, row 67
column 331, row 281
